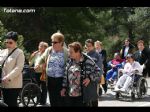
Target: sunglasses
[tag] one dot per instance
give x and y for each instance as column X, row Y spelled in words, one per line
column 9, row 42
column 55, row 42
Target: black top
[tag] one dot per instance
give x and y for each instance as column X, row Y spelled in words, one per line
column 144, row 57
column 129, row 51
column 104, row 57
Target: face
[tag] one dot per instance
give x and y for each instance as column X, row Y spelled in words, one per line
column 72, row 53
column 117, row 57
column 129, row 59
column 98, row 46
column 41, row 48
column 140, row 46
column 10, row 43
column 56, row 44
column 126, row 42
column 89, row 47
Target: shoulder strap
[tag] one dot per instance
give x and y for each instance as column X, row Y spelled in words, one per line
column 7, row 57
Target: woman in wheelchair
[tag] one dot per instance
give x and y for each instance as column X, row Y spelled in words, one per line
column 114, row 64
column 130, row 68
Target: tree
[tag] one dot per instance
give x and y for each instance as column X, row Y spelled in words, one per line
column 111, row 25
column 141, row 23
column 2, row 35
column 20, row 41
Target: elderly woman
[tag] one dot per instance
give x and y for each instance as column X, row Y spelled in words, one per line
column 55, row 58
column 81, row 71
column 115, row 65
column 130, row 68
column 12, row 61
column 39, row 72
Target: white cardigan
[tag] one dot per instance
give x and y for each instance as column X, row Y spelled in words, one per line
column 129, row 68
column 12, row 68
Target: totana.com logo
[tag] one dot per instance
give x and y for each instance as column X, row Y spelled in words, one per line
column 12, row 10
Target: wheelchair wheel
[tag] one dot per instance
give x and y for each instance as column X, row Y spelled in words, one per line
column 30, row 94
column 2, row 104
column 142, row 87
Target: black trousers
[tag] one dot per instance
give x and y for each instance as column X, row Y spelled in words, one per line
column 146, row 70
column 10, row 96
column 91, row 103
column 54, row 88
column 75, row 102
column 105, row 85
column 42, row 85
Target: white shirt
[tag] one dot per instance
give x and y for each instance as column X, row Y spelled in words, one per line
column 126, row 51
column 129, row 68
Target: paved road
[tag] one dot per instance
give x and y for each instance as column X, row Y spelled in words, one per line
column 108, row 100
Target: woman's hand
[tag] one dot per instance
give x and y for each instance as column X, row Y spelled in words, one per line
column 36, row 67
column 62, row 92
column 113, row 66
column 86, row 82
column 5, row 79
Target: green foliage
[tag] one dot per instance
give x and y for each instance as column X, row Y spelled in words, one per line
column 20, row 41
column 111, row 25
column 2, row 35
column 141, row 20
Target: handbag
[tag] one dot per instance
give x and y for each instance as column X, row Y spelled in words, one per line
column 102, row 80
column 43, row 75
column 1, row 67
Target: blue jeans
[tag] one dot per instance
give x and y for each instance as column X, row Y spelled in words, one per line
column 111, row 74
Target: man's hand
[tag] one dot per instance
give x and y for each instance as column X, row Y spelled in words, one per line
column 86, row 82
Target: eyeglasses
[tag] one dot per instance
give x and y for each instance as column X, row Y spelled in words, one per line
column 55, row 42
column 9, row 42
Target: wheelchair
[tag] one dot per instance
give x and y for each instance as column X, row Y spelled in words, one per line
column 138, row 87
column 31, row 93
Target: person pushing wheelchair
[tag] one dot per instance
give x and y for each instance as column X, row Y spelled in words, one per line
column 131, row 67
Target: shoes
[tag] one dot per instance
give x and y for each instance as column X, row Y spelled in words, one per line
column 116, row 89
column 123, row 90
column 110, row 81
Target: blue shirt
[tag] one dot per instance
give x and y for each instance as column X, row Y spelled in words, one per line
column 56, row 64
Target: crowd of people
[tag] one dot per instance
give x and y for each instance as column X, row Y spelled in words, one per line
column 69, row 74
